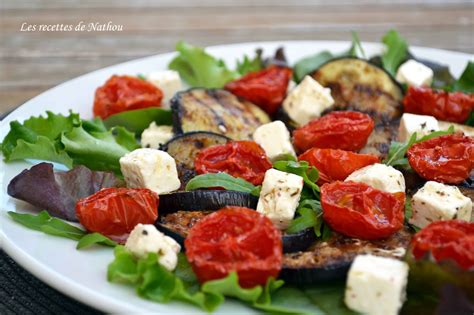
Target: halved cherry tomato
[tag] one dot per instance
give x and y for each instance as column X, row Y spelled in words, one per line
column 235, row 239
column 265, row 88
column 335, row 164
column 243, row 159
column 447, row 159
column 122, row 93
column 451, row 239
column 358, row 210
column 443, row 105
column 114, row 212
column 345, row 130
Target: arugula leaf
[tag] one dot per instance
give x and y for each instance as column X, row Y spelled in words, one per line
column 47, row 224
column 309, row 173
column 200, row 69
column 396, row 51
column 250, row 65
column 138, row 120
column 221, row 179
column 398, row 150
column 356, row 49
column 307, row 218
column 465, row 83
column 94, row 238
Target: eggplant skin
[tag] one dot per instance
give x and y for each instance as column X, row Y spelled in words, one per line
column 184, row 148
column 357, row 84
column 218, row 111
column 330, row 260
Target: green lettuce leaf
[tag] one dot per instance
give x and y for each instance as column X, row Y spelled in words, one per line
column 250, row 64
column 395, row 53
column 200, row 69
column 138, row 120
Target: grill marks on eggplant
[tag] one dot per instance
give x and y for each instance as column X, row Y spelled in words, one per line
column 184, row 148
column 331, row 259
column 359, row 85
column 380, row 138
column 218, row 111
column 182, row 221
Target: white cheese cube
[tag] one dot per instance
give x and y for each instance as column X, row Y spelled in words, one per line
column 150, row 168
column 168, row 82
column 414, row 73
column 274, row 138
column 307, row 101
column 381, row 177
column 436, row 201
column 145, row 239
column 291, row 86
column 376, row 285
column 155, row 135
column 279, row 197
column 421, row 124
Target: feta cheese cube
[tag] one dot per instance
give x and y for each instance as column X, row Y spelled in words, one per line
column 414, row 73
column 307, row 101
column 274, row 138
column 376, row 285
column 150, row 168
column 436, row 201
column 279, row 197
column 145, row 239
column 381, row 177
column 421, row 124
column 155, row 135
column 168, row 82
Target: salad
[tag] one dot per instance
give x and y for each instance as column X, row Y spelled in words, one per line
column 340, row 184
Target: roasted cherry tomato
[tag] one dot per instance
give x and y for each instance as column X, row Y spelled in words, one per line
column 451, row 239
column 443, row 105
column 243, row 159
column 265, row 88
column 447, row 159
column 345, row 130
column 114, row 212
column 335, row 164
column 358, row 210
column 235, row 239
column 122, row 93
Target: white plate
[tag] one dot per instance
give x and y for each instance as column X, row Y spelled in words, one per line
column 82, row 274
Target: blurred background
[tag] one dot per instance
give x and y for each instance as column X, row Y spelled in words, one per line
column 31, row 62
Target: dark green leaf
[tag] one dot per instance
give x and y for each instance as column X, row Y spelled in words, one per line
column 307, row 218
column 223, row 180
column 470, row 120
column 138, row 120
column 466, row 82
column 94, row 238
column 310, row 63
column 309, row 173
column 356, row 49
column 395, row 53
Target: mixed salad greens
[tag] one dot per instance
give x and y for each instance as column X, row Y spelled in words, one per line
column 92, row 150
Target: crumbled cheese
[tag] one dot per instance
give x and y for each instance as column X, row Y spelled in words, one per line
column 154, row 135
column 381, row 177
column 436, row 201
column 145, row 239
column 168, row 82
column 421, row 124
column 274, row 138
column 415, row 73
column 150, row 168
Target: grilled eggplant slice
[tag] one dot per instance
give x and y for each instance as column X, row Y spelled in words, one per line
column 184, row 148
column 379, row 140
column 217, row 111
column 357, row 84
column 330, row 260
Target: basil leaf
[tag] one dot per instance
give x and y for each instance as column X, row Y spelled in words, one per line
column 466, row 82
column 223, row 180
column 94, row 238
column 310, row 63
column 47, row 224
column 138, row 120
column 396, row 51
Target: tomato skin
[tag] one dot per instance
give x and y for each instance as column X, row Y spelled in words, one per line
column 345, row 130
column 447, row 159
column 454, row 107
column 243, row 159
column 114, row 212
column 452, row 239
column 235, row 239
column 122, row 93
column 334, row 164
column 265, row 88
column 360, row 211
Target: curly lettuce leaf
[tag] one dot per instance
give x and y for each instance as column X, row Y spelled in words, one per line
column 250, row 64
column 395, row 53
column 200, row 69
